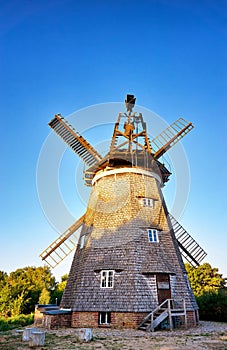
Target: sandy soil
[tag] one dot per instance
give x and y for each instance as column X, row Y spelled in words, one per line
column 208, row 336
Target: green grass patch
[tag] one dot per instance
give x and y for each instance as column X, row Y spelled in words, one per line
column 7, row 323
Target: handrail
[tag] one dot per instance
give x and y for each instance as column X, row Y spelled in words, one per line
column 154, row 311
column 169, row 308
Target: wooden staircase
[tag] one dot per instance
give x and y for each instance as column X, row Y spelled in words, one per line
column 168, row 309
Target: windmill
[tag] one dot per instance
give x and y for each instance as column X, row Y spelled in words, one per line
column 128, row 269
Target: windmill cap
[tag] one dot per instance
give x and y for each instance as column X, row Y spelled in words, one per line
column 130, row 101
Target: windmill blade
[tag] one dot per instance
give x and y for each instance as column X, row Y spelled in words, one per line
column 63, row 245
column 170, row 136
column 77, row 143
column 189, row 248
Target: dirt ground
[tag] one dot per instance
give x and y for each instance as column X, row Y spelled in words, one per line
column 208, row 336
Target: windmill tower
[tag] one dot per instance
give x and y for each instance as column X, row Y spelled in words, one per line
column 128, row 269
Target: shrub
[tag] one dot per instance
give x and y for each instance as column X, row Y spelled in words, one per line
column 213, row 306
column 7, row 323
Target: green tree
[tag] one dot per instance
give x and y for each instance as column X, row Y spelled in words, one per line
column 23, row 288
column 209, row 288
column 58, row 292
column 3, row 279
column 44, row 297
column 5, row 300
column 204, row 279
column 17, row 305
column 213, row 305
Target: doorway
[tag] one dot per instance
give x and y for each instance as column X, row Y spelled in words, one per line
column 163, row 287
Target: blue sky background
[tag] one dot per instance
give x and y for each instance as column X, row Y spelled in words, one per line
column 61, row 56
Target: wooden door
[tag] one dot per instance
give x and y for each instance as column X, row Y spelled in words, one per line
column 163, row 287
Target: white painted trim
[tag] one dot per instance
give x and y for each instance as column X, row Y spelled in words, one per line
column 143, row 172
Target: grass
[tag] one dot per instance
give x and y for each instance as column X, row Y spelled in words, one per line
column 7, row 323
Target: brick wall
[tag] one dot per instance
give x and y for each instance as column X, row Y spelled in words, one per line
column 56, row 321
column 118, row 319
column 85, row 319
column 127, row 319
column 192, row 318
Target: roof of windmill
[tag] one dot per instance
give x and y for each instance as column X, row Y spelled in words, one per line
column 124, row 158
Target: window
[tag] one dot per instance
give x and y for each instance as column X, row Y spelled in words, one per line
column 148, row 202
column 104, row 318
column 107, row 277
column 152, row 235
column 82, row 241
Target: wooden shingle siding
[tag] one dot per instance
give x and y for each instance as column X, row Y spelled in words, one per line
column 116, row 226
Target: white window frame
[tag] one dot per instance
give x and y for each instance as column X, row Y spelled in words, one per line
column 152, row 235
column 82, row 241
column 107, row 279
column 148, row 202
column 107, row 315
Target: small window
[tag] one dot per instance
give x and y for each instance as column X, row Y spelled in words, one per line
column 148, row 202
column 82, row 241
column 107, row 278
column 104, row 318
column 152, row 235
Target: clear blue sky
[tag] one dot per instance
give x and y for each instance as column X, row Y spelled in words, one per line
column 60, row 56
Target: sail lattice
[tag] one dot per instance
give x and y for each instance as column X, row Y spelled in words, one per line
column 63, row 245
column 189, row 248
column 170, row 136
column 74, row 140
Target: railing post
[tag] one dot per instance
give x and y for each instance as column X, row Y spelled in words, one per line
column 185, row 314
column 152, row 322
column 170, row 315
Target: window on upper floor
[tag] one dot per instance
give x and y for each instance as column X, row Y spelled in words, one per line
column 147, row 202
column 107, row 279
column 82, row 241
column 152, row 235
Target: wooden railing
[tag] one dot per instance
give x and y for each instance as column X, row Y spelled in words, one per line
column 168, row 308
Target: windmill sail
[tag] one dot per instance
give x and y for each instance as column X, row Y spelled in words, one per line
column 75, row 141
column 63, row 245
column 170, row 136
column 189, row 248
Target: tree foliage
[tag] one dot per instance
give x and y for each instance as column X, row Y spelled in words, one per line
column 213, row 305
column 210, row 291
column 204, row 279
column 44, row 297
column 58, row 292
column 20, row 291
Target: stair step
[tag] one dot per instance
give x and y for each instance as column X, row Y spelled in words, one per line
column 173, row 308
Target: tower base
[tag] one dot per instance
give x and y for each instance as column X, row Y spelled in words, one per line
column 118, row 320
column 107, row 319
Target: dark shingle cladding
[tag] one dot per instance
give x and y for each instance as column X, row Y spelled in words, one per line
column 116, row 239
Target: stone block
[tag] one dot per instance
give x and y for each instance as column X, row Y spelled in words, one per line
column 27, row 332
column 84, row 334
column 36, row 339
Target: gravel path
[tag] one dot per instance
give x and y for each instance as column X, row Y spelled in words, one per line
column 207, row 336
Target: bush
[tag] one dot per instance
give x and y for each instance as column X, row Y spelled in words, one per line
column 213, row 306
column 7, row 323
